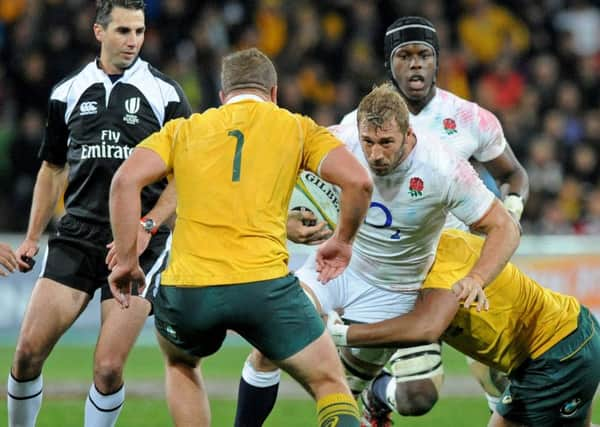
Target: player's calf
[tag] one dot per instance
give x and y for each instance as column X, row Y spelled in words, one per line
column 257, row 390
column 362, row 365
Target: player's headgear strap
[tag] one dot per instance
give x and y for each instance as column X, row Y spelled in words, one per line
column 407, row 30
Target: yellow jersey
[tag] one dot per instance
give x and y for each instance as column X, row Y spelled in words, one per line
column 235, row 168
column 524, row 319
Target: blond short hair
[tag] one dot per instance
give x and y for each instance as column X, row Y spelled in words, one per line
column 381, row 105
column 248, row 69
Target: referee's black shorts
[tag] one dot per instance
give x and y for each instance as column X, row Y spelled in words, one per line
column 76, row 255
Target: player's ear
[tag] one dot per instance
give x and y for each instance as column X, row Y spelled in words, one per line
column 99, row 32
column 222, row 97
column 273, row 94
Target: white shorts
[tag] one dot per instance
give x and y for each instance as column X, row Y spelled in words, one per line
column 360, row 301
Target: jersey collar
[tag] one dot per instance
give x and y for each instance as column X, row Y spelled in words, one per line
column 244, row 97
column 432, row 104
column 127, row 72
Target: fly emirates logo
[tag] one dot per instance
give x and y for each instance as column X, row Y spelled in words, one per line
column 108, row 149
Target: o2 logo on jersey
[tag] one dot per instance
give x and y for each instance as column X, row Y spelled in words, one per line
column 132, row 106
column 379, row 216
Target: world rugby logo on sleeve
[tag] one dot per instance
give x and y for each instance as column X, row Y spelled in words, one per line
column 316, row 195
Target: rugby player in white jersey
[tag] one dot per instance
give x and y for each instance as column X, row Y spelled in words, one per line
column 411, row 51
column 418, row 181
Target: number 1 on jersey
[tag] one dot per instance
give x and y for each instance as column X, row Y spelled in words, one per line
column 237, row 158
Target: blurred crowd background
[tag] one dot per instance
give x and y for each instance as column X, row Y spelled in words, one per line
column 536, row 64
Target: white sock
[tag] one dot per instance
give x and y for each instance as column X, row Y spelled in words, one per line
column 102, row 410
column 260, row 379
column 492, row 401
column 24, row 399
column 390, row 395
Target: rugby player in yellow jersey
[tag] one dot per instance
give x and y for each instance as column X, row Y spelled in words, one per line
column 546, row 342
column 234, row 169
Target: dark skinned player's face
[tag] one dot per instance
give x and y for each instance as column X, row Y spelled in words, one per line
column 414, row 68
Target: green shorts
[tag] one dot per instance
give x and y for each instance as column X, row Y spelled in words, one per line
column 275, row 316
column 559, row 386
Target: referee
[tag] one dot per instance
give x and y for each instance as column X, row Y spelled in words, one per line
column 96, row 116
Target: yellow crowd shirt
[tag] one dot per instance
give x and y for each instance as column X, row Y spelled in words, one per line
column 235, row 168
column 524, row 319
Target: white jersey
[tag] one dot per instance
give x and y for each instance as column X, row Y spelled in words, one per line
column 395, row 246
column 471, row 131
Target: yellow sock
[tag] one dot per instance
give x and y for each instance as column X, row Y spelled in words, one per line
column 337, row 410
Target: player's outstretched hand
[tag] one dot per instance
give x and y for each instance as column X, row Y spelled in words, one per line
column 123, row 279
column 8, row 260
column 470, row 290
column 333, row 257
column 25, row 253
column 302, row 227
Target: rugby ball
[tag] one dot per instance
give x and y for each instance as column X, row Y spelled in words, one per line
column 317, row 196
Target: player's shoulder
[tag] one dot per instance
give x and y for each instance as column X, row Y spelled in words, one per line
column 467, row 112
column 84, row 73
column 350, row 117
column 432, row 153
column 462, row 108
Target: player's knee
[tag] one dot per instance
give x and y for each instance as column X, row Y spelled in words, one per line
column 418, row 372
column 416, row 398
column 492, row 381
column 260, row 378
column 261, row 363
column 28, row 360
column 108, row 374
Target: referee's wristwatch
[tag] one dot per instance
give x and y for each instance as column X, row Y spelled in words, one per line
column 149, row 225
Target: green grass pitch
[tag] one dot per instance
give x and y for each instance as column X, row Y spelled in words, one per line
column 73, row 364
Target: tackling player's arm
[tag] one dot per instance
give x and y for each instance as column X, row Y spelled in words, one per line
column 49, row 186
column 506, row 169
column 143, row 167
column 433, row 312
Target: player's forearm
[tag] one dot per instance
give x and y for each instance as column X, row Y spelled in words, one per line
column 399, row 331
column 164, row 209
column 433, row 312
column 502, row 239
column 518, row 182
column 48, row 188
column 125, row 207
column 341, row 168
column 354, row 202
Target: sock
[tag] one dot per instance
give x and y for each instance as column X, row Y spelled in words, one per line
column 384, row 391
column 492, row 401
column 24, row 399
column 338, row 410
column 256, row 396
column 102, row 410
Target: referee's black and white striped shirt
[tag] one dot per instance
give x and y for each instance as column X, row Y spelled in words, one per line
column 95, row 120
